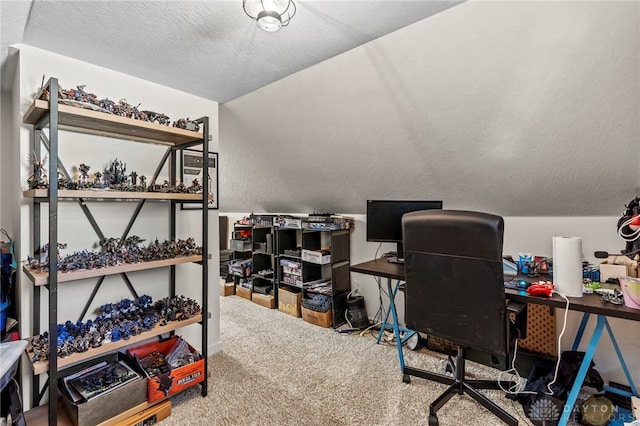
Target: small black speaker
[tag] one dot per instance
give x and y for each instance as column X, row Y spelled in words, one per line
column 357, row 312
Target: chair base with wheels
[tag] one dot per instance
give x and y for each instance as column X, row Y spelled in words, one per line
column 459, row 384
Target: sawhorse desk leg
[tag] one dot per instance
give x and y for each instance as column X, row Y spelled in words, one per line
column 391, row 291
column 586, row 362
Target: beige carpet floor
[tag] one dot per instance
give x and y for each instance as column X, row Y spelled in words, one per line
column 276, row 369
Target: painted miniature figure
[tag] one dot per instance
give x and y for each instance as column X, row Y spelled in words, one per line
column 115, row 173
column 38, row 178
column 84, row 174
column 187, row 124
column 97, row 182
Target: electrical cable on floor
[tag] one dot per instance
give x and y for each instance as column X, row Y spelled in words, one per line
column 346, row 316
column 371, row 327
column 516, row 388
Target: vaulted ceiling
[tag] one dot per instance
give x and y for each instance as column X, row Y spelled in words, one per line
column 207, row 48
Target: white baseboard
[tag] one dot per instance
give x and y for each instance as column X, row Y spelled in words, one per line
column 214, row 348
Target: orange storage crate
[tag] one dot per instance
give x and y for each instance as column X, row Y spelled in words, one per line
column 174, row 381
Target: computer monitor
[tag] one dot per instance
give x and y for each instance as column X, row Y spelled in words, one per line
column 384, row 221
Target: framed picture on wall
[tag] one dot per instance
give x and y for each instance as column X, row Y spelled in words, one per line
column 192, row 168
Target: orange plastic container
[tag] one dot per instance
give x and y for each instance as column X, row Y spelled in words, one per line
column 174, row 381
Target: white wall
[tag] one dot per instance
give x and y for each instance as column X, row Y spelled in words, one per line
column 97, row 152
column 519, row 108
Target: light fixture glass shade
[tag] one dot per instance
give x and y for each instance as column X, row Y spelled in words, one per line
column 270, row 15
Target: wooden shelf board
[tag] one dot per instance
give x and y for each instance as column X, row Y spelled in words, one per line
column 262, row 277
column 43, row 366
column 112, row 195
column 40, row 415
column 42, row 278
column 104, row 124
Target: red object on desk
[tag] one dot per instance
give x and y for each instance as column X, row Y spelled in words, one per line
column 540, row 288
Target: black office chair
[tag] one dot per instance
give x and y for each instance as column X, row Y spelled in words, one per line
column 455, row 291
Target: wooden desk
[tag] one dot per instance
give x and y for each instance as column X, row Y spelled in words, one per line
column 380, row 268
column 588, row 304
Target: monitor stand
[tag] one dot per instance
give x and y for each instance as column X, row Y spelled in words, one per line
column 399, row 257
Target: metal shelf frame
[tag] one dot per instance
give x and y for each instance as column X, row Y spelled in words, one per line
column 51, row 120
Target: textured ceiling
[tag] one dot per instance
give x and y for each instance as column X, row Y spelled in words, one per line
column 207, row 48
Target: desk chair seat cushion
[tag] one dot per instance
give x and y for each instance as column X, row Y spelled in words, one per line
column 454, row 278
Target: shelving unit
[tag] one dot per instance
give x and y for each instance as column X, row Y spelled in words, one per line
column 47, row 118
column 241, row 245
column 295, row 270
column 263, row 261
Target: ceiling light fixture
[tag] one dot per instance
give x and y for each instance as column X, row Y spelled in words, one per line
column 271, row 15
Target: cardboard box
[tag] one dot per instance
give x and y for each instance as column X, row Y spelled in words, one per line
column 323, row 319
column 618, row 266
column 290, row 301
column 227, row 289
column 149, row 416
column 265, row 300
column 611, row 271
column 174, row 381
column 316, row 257
column 243, row 292
column 110, row 404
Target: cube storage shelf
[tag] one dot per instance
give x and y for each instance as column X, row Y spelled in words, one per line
column 240, row 246
column 278, row 244
column 48, row 116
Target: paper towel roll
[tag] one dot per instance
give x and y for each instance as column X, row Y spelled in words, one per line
column 567, row 265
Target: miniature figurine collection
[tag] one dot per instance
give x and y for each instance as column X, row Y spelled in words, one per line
column 117, row 321
column 113, row 177
column 98, row 380
column 156, row 363
column 78, row 97
column 115, row 252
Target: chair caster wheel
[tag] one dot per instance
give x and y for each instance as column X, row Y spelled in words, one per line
column 433, row 420
column 406, row 378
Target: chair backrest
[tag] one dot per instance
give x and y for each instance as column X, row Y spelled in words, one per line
column 454, row 277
